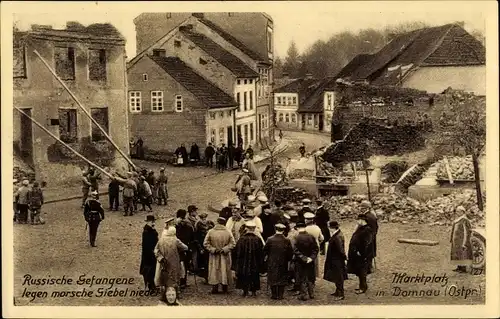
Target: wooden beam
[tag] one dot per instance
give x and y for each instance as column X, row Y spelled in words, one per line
column 421, row 242
column 84, row 109
column 67, row 146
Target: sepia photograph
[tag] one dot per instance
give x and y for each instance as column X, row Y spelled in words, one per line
column 279, row 154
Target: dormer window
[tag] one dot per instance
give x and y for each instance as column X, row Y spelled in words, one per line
column 159, row 52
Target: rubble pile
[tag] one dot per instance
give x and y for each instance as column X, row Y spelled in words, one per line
column 461, row 168
column 392, row 171
column 396, row 208
column 288, row 194
column 273, row 177
column 301, row 174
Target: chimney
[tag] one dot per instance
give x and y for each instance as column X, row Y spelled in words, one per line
column 198, row 15
column 40, row 27
column 309, row 76
column 187, row 27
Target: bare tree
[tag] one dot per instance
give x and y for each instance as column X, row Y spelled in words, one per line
column 274, row 175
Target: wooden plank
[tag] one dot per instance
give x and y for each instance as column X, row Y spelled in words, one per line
column 448, row 169
column 421, row 242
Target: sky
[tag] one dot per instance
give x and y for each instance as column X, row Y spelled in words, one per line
column 302, row 22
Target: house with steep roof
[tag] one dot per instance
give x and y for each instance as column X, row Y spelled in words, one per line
column 91, row 62
column 429, row 59
column 170, row 104
column 225, row 49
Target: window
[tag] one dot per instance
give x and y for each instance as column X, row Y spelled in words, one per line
column 281, row 117
column 221, row 114
column 97, row 65
column 65, row 62
column 244, row 101
column 316, row 120
column 289, row 100
column 68, row 131
column 100, row 115
column 221, row 135
column 245, row 138
column 238, row 130
column 212, row 134
column 179, row 105
column 238, row 99
column 279, row 100
column 19, row 62
column 144, row 77
column 229, row 113
column 251, row 132
column 309, row 119
column 212, row 115
column 159, row 52
column 246, row 81
column 238, row 82
column 294, row 100
column 177, row 43
column 294, row 118
column 250, row 99
column 134, row 101
column 157, row 101
column 287, row 118
column 250, row 81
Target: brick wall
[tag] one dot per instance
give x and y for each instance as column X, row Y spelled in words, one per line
column 44, row 95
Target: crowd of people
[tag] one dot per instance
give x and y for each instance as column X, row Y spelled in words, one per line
column 253, row 238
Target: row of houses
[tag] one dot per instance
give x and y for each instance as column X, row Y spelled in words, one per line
column 430, row 59
column 196, row 78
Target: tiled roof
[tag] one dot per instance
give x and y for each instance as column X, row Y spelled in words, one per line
column 229, row 38
column 314, row 102
column 358, row 61
column 448, row 45
column 235, row 65
column 208, row 93
column 300, row 86
column 96, row 31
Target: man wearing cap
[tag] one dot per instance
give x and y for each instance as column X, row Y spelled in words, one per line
column 315, row 231
column 248, row 260
column 360, row 252
column 306, row 251
column 306, row 208
column 94, row 214
column 235, row 223
column 321, row 219
column 162, row 187
column 22, row 196
column 227, row 212
column 219, row 242
column 261, row 201
column 250, row 216
column 203, row 225
column 185, row 232
column 194, row 245
column 148, row 259
column 335, row 269
column 278, row 217
column 268, row 222
column 129, row 193
column 242, row 186
column 371, row 219
column 461, row 247
column 278, row 253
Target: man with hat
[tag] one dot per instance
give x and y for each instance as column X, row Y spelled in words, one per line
column 148, row 259
column 360, row 252
column 321, row 219
column 22, row 196
column 278, row 253
column 250, row 216
column 371, row 219
column 235, row 224
column 162, row 187
column 305, row 251
column 268, row 222
column 315, row 231
column 335, row 270
column 129, row 193
column 227, row 212
column 243, row 186
column 306, row 208
column 261, row 201
column 461, row 247
column 201, row 228
column 248, row 258
column 94, row 214
column 219, row 242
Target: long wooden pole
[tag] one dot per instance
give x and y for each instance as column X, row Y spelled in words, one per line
column 84, row 109
column 67, row 146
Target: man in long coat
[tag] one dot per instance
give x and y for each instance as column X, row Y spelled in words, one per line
column 148, row 259
column 335, row 268
column 306, row 251
column 168, row 268
column 219, row 242
column 162, row 192
column 461, row 247
column 268, row 222
column 360, row 253
column 94, row 214
column 321, row 219
column 371, row 219
column 203, row 225
column 248, row 260
column 185, row 233
column 279, row 252
column 315, row 231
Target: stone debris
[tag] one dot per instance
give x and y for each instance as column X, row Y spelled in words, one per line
column 461, row 168
column 396, row 208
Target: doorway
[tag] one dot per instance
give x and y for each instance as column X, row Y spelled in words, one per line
column 320, row 124
column 26, row 140
column 230, row 136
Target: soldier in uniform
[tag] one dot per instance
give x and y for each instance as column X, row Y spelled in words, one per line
column 94, row 214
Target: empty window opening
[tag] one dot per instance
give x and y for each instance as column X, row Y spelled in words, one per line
column 202, row 61
column 19, row 65
column 177, row 43
column 65, row 62
column 179, row 105
column 68, row 130
column 97, row 65
column 144, row 77
column 159, row 52
column 100, row 115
